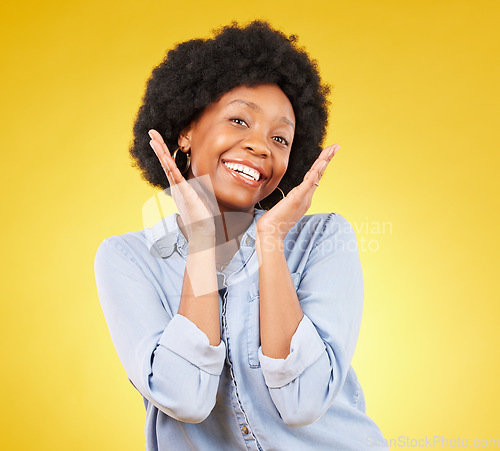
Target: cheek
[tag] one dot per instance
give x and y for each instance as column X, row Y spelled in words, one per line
column 282, row 166
column 198, row 165
column 207, row 149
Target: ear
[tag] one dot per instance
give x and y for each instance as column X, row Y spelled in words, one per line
column 184, row 140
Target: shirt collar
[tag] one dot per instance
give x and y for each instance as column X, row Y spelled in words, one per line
column 168, row 237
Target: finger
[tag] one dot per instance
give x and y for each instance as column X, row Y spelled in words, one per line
column 163, row 153
column 319, row 166
column 173, row 173
column 163, row 158
column 309, row 183
column 301, row 196
column 323, row 156
column 312, row 178
column 330, row 151
column 182, row 191
column 156, row 136
column 317, row 169
column 303, row 192
column 177, row 182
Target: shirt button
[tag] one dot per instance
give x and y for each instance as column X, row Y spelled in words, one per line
column 248, row 241
column 244, row 429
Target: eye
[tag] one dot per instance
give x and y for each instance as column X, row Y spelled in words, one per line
column 238, row 121
column 281, row 140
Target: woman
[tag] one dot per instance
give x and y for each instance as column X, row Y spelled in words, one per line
column 238, row 324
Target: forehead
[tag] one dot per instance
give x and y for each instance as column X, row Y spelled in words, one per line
column 268, row 99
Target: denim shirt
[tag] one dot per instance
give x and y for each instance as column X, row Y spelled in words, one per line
column 231, row 396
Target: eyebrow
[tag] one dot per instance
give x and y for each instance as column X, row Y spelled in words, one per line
column 256, row 107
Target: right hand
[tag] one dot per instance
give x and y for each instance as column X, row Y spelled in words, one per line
column 195, row 215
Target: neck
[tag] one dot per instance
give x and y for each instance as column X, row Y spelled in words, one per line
column 230, row 225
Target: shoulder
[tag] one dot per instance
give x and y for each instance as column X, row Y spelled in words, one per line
column 126, row 245
column 138, row 251
column 144, row 250
column 151, row 242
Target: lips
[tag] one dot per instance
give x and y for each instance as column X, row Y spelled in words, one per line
column 244, row 171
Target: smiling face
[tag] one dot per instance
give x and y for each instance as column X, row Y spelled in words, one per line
column 243, row 143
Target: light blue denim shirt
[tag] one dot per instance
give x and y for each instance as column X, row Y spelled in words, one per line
column 231, row 396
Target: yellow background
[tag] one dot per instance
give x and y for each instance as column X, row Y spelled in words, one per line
column 415, row 108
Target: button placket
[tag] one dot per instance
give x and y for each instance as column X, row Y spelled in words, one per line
column 239, row 412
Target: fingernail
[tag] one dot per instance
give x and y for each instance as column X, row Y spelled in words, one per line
column 332, row 152
column 150, row 135
column 152, row 147
column 336, row 149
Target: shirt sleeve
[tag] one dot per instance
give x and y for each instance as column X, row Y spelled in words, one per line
column 304, row 385
column 168, row 359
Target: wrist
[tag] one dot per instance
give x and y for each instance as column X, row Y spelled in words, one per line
column 201, row 243
column 272, row 231
column 269, row 243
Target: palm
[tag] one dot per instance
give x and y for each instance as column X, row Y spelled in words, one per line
column 284, row 215
column 195, row 215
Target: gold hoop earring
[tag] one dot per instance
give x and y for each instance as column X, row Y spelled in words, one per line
column 188, row 157
column 282, row 193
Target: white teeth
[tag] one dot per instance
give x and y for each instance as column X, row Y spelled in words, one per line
column 247, row 176
column 250, row 173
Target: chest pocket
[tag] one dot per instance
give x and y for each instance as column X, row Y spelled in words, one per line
column 253, row 322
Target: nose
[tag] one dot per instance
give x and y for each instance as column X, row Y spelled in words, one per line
column 257, row 144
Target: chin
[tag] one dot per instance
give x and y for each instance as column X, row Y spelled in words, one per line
column 236, row 206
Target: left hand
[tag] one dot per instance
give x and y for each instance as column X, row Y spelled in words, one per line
column 278, row 221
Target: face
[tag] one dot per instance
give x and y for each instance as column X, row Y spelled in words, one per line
column 243, row 143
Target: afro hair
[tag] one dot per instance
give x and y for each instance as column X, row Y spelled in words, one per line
column 199, row 72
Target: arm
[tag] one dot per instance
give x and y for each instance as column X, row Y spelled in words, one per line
column 199, row 299
column 304, row 384
column 169, row 360
column 280, row 311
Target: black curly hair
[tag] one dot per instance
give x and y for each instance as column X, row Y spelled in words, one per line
column 199, row 72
